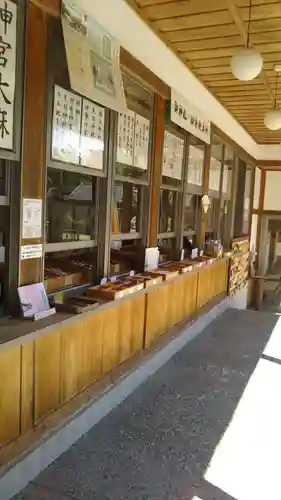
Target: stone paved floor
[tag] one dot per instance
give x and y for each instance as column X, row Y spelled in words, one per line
column 205, row 427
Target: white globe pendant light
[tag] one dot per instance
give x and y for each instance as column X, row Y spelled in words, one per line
column 247, row 63
column 272, row 119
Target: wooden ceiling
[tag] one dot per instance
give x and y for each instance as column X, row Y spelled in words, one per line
column 206, row 33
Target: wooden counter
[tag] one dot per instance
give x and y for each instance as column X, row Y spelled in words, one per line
column 41, row 370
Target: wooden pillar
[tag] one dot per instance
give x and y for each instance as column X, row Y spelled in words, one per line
column 260, row 210
column 239, row 204
column 33, row 159
column 156, row 169
column 206, row 176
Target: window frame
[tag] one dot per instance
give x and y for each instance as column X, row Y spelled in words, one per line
column 195, row 188
column 71, row 245
column 143, row 184
column 175, row 236
column 55, row 41
column 213, row 193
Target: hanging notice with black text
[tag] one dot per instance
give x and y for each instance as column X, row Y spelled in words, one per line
column 187, row 116
column 8, row 50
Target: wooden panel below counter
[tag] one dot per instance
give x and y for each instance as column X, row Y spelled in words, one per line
column 42, row 372
column 170, row 303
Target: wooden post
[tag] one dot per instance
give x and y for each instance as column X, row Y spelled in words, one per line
column 156, row 169
column 260, row 210
column 206, row 176
column 33, row 160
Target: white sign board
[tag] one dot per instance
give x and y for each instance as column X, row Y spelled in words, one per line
column 78, row 130
column 31, row 252
column 66, row 126
column 92, row 135
column 8, row 50
column 151, row 259
column 172, row 156
column 133, row 140
column 92, row 58
column 187, row 116
column 31, row 218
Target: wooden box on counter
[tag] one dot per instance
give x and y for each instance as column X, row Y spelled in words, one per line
column 147, row 278
column 166, row 273
column 115, row 290
column 76, row 305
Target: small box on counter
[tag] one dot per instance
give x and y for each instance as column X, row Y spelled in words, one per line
column 115, row 290
column 194, row 263
column 76, row 305
column 166, row 273
column 147, row 279
column 181, row 266
column 54, row 279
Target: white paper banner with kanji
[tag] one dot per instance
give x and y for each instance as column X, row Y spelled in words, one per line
column 8, row 50
column 187, row 116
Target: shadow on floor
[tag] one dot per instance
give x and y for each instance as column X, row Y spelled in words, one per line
column 159, row 443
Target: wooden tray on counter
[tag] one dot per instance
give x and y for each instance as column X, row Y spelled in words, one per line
column 181, row 266
column 115, row 290
column 147, row 279
column 76, row 305
column 167, row 274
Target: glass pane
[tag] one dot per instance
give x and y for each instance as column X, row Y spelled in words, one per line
column 211, row 217
column 247, row 193
column 126, row 208
column 69, row 268
column 71, row 204
column 124, row 256
column 215, row 165
column 167, row 212
column 189, row 243
column 173, row 150
column 223, row 219
column 166, row 249
column 227, row 171
column 190, row 212
column 134, row 127
column 196, row 162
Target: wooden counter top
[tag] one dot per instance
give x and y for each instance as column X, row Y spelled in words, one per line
column 14, row 331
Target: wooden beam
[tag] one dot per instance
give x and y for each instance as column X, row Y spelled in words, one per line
column 33, row 161
column 234, row 11
column 206, row 176
column 51, row 7
column 156, row 169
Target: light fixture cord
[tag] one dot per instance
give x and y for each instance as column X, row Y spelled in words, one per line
column 249, row 23
column 276, row 90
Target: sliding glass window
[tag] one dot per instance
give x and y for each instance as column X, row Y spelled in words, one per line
column 131, row 177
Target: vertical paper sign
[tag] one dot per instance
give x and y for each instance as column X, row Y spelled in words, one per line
column 31, row 218
column 126, row 137
column 142, row 126
column 92, row 135
column 66, row 126
column 8, row 50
